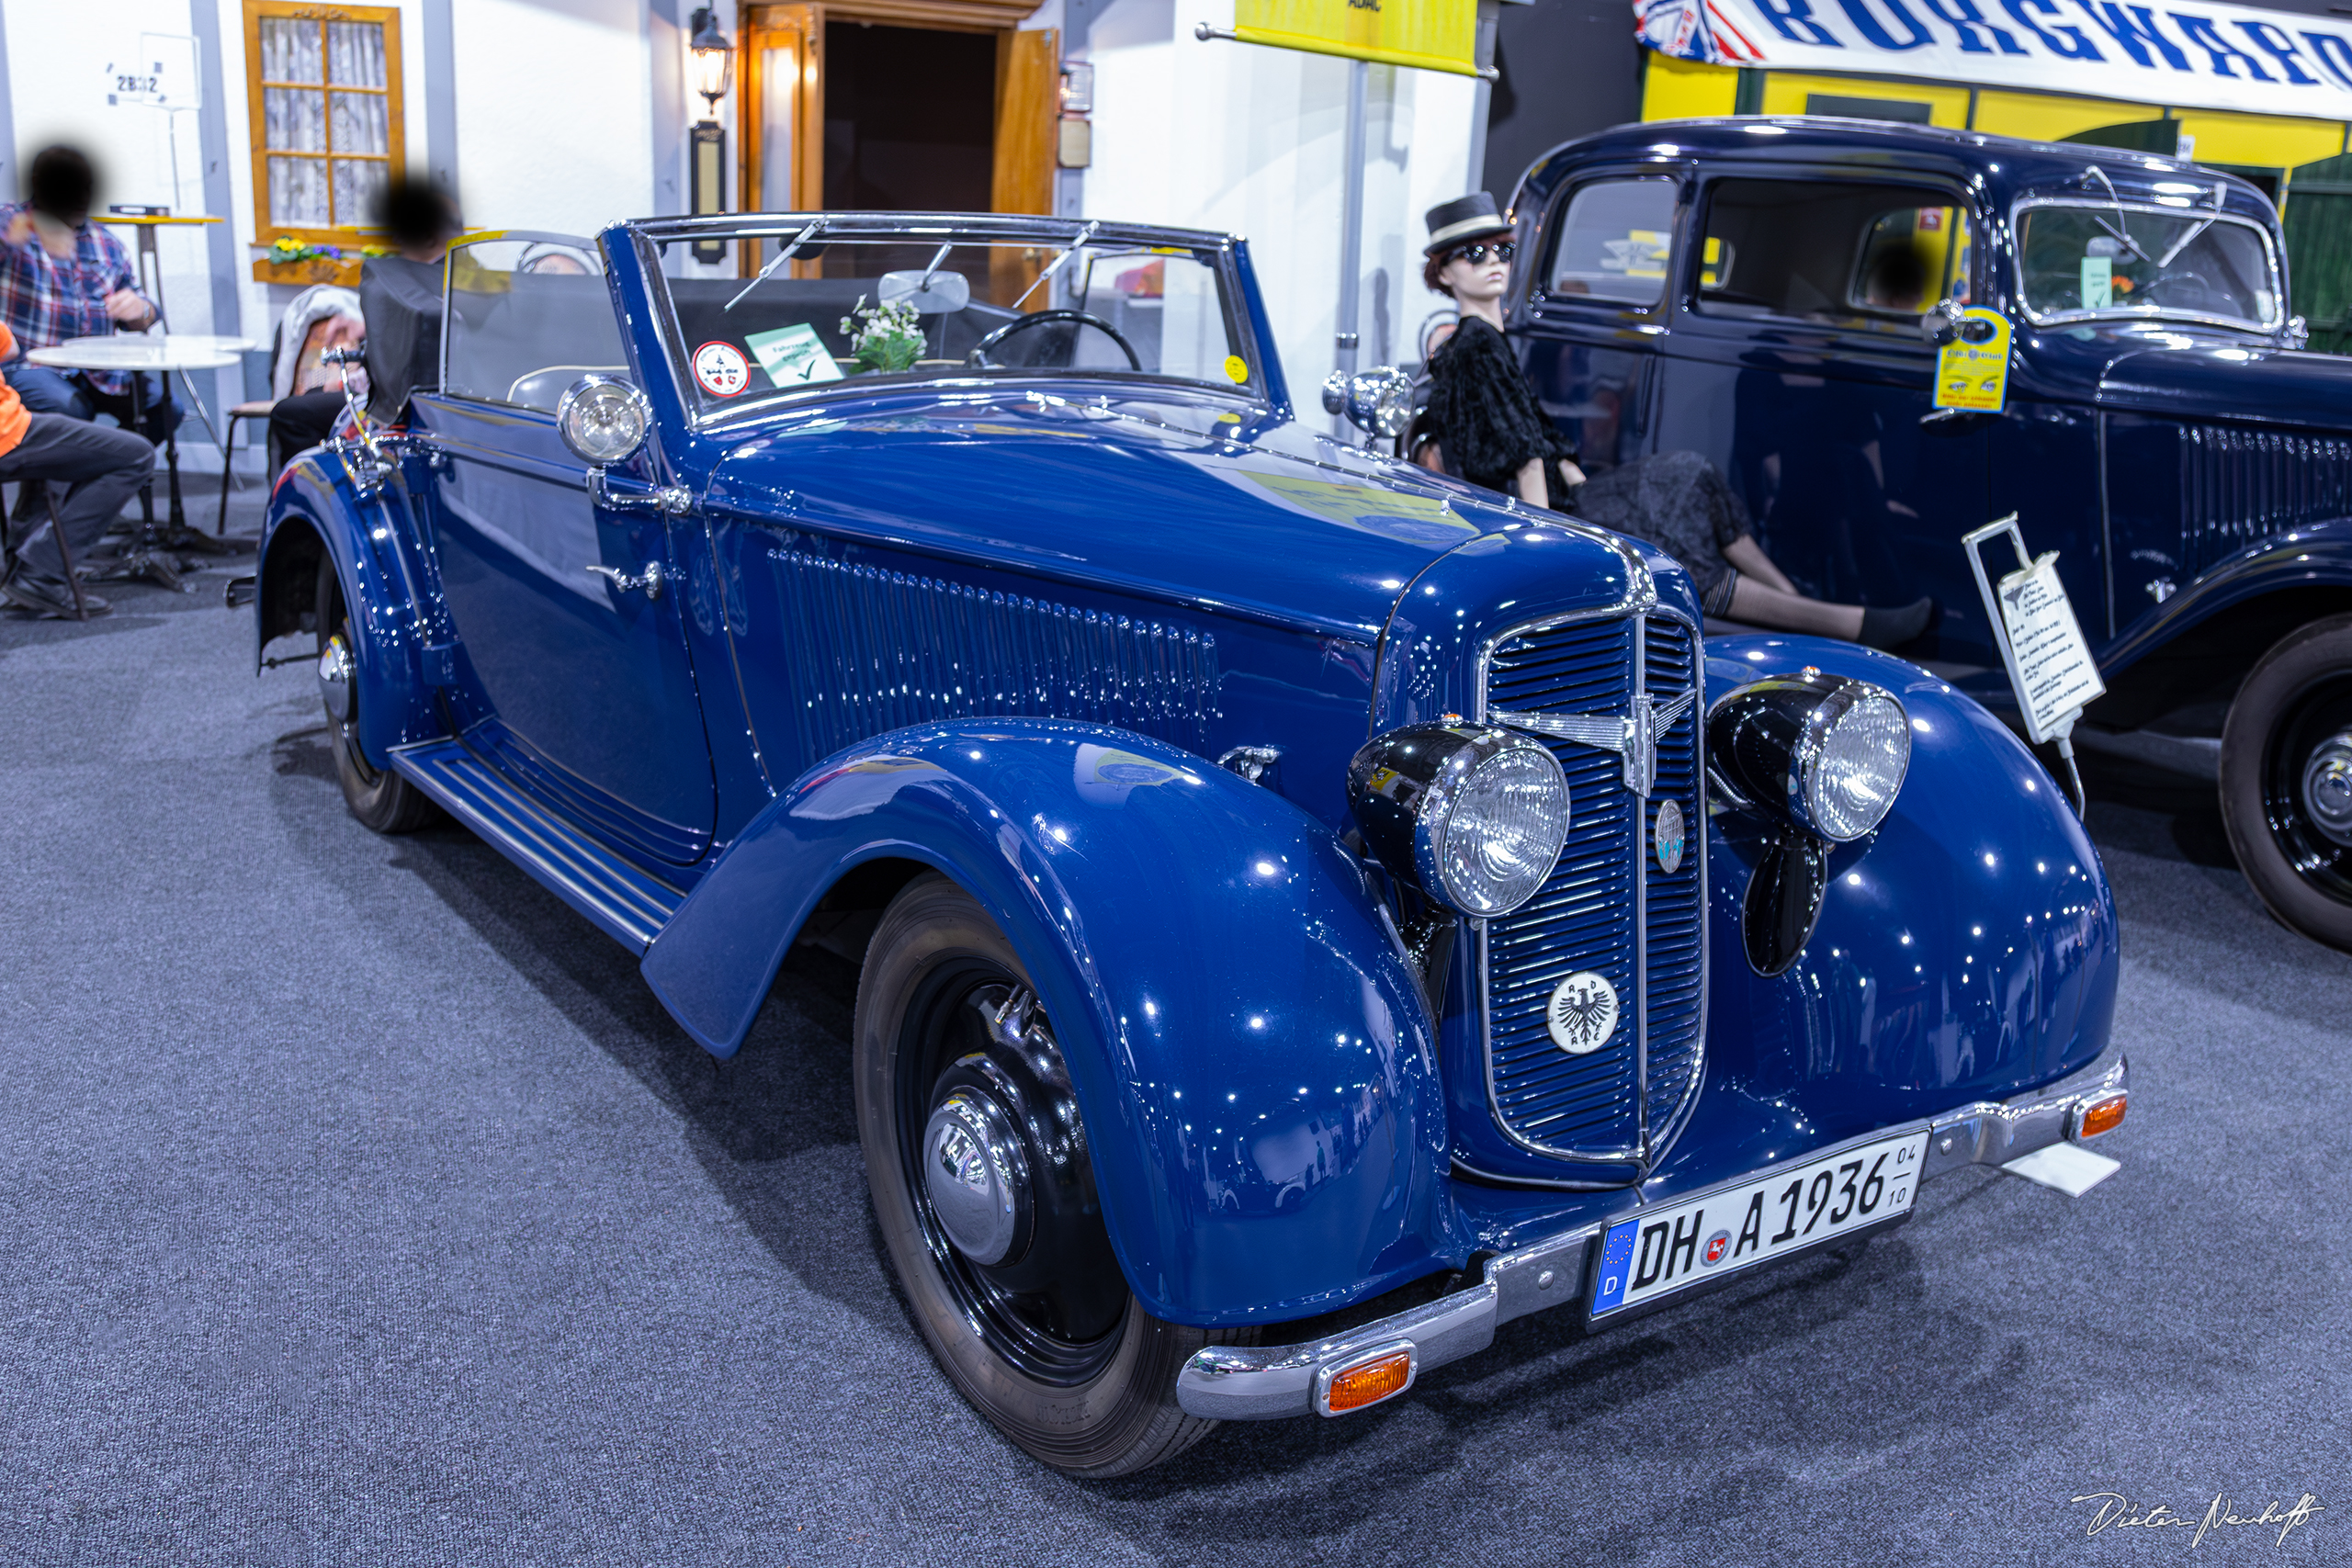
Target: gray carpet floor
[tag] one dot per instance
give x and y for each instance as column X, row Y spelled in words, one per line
column 359, row 1206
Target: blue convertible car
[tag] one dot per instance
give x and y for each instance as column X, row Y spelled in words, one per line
column 1310, row 912
column 1756, row 290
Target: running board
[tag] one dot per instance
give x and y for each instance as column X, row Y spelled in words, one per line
column 624, row 902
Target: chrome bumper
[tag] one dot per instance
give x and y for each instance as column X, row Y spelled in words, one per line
column 1264, row 1382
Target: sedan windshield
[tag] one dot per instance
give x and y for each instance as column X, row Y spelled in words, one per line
column 819, row 301
column 2106, row 260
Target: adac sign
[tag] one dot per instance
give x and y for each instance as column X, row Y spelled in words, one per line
column 2225, row 57
column 1435, row 35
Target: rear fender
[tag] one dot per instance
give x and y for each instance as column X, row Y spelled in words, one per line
column 314, row 512
column 1249, row 1047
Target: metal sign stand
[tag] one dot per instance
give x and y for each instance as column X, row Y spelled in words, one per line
column 2060, row 727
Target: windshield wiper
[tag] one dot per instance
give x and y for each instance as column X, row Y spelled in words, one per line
column 2124, row 233
column 782, row 256
column 2220, row 194
column 1060, row 261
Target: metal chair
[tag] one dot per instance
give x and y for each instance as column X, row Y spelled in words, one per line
column 57, row 532
column 258, row 409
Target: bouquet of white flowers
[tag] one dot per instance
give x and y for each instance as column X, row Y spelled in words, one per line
column 884, row 336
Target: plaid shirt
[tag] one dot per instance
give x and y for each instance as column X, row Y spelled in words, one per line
column 45, row 301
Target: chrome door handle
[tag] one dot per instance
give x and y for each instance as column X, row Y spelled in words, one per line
column 671, row 500
column 649, row 579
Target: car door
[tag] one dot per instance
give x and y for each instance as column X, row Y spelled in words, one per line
column 1597, row 303
column 1796, row 361
column 574, row 677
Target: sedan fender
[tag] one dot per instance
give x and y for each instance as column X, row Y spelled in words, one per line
column 1251, row 1048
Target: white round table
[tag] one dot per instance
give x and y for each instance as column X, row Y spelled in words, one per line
column 138, row 355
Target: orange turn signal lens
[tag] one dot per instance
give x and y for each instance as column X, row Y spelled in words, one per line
column 1369, row 1382
column 2100, row 1116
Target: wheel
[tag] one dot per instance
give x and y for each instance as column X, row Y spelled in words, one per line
column 384, row 801
column 978, row 1163
column 2287, row 779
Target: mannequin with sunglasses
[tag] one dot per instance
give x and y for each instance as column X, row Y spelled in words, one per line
column 1484, row 425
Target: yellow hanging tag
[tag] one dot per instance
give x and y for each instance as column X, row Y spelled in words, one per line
column 1974, row 375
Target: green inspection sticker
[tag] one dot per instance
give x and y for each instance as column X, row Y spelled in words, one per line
column 793, row 356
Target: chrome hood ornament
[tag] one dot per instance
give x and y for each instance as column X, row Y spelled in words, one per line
column 1634, row 736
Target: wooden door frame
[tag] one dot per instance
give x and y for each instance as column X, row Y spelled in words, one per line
column 802, row 22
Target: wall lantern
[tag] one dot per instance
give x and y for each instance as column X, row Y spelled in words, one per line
column 713, row 58
column 713, row 71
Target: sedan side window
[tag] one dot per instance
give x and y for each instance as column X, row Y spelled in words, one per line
column 528, row 316
column 1614, row 242
column 1849, row 254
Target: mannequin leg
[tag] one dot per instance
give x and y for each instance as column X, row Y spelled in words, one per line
column 1759, row 605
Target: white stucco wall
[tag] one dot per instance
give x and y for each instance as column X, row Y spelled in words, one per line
column 553, row 113
column 1231, row 136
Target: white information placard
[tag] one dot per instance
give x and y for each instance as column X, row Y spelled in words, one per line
column 2055, row 672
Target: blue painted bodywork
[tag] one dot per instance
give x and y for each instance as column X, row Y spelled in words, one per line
column 1003, row 629
column 2165, row 459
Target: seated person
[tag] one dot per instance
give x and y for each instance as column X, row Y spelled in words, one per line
column 1484, row 425
column 62, row 277
column 103, row 468
column 419, row 221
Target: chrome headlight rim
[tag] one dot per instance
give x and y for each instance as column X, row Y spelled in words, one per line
column 571, row 415
column 1407, row 787
column 1788, row 784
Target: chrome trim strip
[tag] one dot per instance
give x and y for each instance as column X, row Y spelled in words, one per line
column 1697, row 828
column 1638, row 735
column 1265, row 1383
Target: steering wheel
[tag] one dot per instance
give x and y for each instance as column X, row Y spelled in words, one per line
column 978, row 358
column 2192, row 283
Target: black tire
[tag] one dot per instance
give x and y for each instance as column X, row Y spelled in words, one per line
column 2287, row 779
column 382, row 800
column 1050, row 1345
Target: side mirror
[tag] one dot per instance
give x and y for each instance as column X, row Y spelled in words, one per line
column 602, row 420
column 1378, row 402
column 1941, row 321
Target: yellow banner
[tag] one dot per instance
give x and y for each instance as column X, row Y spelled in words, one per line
column 1433, row 35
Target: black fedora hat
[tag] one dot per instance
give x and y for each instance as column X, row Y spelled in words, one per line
column 1462, row 220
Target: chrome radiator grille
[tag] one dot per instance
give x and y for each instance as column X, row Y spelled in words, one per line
column 1607, row 908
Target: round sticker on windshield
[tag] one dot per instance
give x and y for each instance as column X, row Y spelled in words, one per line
column 722, row 369
column 1237, row 370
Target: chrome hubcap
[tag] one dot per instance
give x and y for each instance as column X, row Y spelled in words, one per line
column 976, row 1178
column 334, row 679
column 2327, row 788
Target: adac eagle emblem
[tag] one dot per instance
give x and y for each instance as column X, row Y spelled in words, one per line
column 1583, row 1013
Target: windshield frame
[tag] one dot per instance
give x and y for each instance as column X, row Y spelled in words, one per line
column 2193, row 212
column 1218, row 250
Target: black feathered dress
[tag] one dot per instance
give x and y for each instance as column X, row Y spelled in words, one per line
column 1488, row 426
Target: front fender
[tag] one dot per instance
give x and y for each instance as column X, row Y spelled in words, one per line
column 1966, row 949
column 368, row 545
column 2315, row 555
column 1249, row 1047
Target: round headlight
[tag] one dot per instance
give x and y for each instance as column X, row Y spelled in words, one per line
column 1851, row 781
column 603, row 419
column 1829, row 752
column 1473, row 816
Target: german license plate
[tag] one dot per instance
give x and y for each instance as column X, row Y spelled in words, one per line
column 1663, row 1250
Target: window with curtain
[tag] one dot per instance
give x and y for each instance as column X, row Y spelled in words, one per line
column 323, row 87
